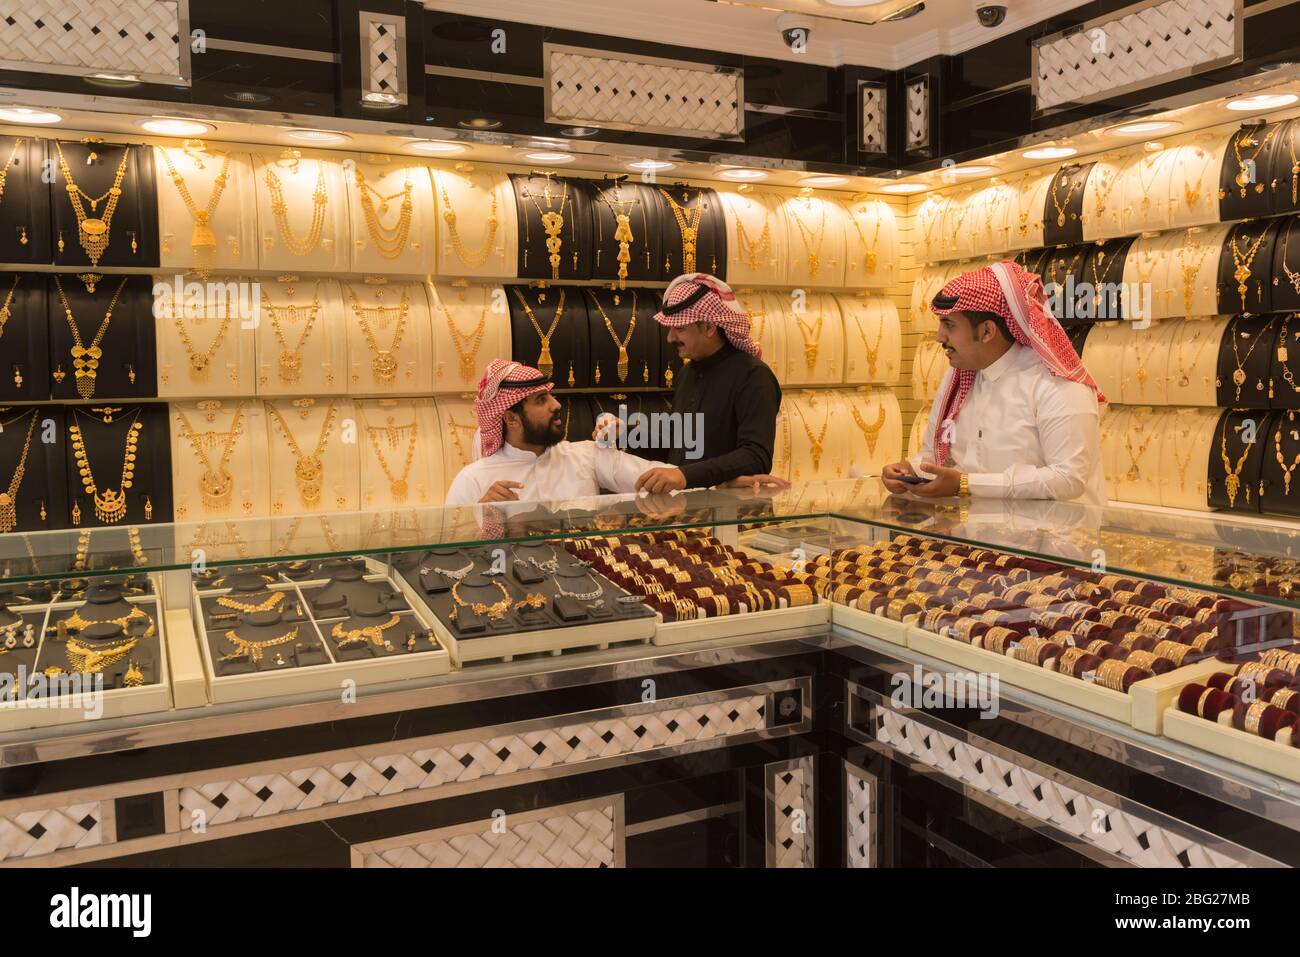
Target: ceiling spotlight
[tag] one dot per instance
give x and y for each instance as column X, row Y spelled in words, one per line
column 741, row 173
column 649, row 166
column 1143, row 127
column 25, row 114
column 971, row 170
column 114, row 81
column 1261, row 101
column 435, row 146
column 172, row 127
column 580, row 131
column 1049, row 152
column 378, row 100
column 824, row 181
column 549, row 156
column 318, row 136
column 480, row 123
column 248, row 97
column 903, row 188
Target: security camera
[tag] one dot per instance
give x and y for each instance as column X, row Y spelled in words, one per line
column 990, row 14
column 796, row 31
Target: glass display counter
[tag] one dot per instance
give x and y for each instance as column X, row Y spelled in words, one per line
column 462, row 651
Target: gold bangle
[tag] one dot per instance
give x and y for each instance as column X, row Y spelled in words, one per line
column 1110, row 673
column 1200, row 702
column 1253, row 715
column 1282, row 696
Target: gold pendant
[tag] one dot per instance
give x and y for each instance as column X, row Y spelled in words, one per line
column 544, row 362
column 1232, row 483
column 622, row 364
column 1239, row 377
column 645, row 373
column 307, row 475
column 1183, row 382
column 398, row 490
column 1060, row 219
column 290, row 364
column 668, row 376
column 76, row 512
column 597, row 375
column 148, row 509
column 59, row 373
column 572, row 380
column 384, row 366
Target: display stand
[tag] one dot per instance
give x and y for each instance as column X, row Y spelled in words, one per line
column 207, row 217
column 302, row 337
column 391, row 209
column 302, row 212
column 390, row 337
column 220, row 463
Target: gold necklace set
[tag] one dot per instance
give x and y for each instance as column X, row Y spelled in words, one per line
column 85, row 659
column 1232, row 477
column 9, row 497
column 110, row 504
column 873, row 352
column 1292, row 276
column 870, row 432
column 1184, row 369
column 1062, row 207
column 552, row 221
column 200, row 363
column 253, row 650
column 383, row 362
column 618, row 208
column 811, row 338
column 397, row 484
column 545, row 363
column 92, row 231
column 1192, row 191
column 622, row 365
column 374, row 634
column 1239, row 374
column 1190, row 271
column 477, row 258
column 1135, row 457
column 271, row 602
column 812, row 241
column 1242, row 260
column 215, row 483
column 85, row 359
column 203, row 241
column 687, row 225
column 466, row 345
column 1147, row 188
column 925, row 371
column 289, row 360
column 869, row 256
column 1281, row 461
column 4, row 171
column 319, row 197
column 389, row 242
column 1246, row 170
column 755, row 253
column 308, row 470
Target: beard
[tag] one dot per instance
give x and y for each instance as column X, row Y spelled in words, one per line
column 546, row 433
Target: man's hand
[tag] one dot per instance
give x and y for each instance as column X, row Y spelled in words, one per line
column 660, row 480
column 502, row 491
column 889, row 477
column 945, row 483
column 756, row 482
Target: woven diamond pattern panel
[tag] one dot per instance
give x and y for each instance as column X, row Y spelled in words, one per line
column 918, row 113
column 576, row 839
column 858, row 837
column 873, row 119
column 651, row 96
column 381, row 73
column 793, row 804
column 1081, row 815
column 220, row 802
column 1140, row 48
column 44, row 831
column 85, row 36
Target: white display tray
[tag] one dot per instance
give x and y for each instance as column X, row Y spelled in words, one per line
column 812, row 616
column 329, row 676
column 30, row 713
column 1227, row 742
column 869, row 623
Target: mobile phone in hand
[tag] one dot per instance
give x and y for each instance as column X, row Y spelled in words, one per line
column 914, row 479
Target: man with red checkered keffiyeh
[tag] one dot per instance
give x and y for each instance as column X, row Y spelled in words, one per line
column 519, row 449
column 1017, row 415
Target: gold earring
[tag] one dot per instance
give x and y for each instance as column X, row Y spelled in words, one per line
column 76, row 512
column 148, row 509
column 130, row 373
column 42, row 510
column 134, row 676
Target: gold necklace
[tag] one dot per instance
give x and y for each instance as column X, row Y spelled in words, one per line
column 383, row 362
column 870, row 247
column 372, row 633
column 92, row 232
column 397, row 485
column 5, row 310
column 201, row 362
column 494, row 611
column 272, row 601
column 466, row 346
column 811, row 339
column 4, row 171
column 1098, row 281
column 1134, row 473
column 1292, row 276
column 389, row 242
column 253, row 649
column 110, row 504
column 622, row 365
column 9, row 497
column 1061, row 208
column 1183, row 463
column 1283, row 356
column 1277, row 444
column 870, row 432
column 308, row 470
column 815, row 445
column 84, row 659
column 1290, row 145
column 456, row 429
column 754, row 254
column 1243, row 263
column 1232, row 479
column 1246, row 167
column 814, row 249
column 1190, row 272
column 1192, row 192
column 203, row 241
column 552, row 221
column 929, row 367
column 85, row 359
column 687, row 226
column 872, row 353
column 319, row 197
column 1153, row 163
column 1184, row 370
column 1239, row 374
column 1101, row 195
column 215, row 483
column 618, row 208
column 1141, row 374
column 289, row 361
column 472, row 259
column 544, row 361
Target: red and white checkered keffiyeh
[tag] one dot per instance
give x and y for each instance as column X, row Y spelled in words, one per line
column 503, row 384
column 699, row 297
column 1018, row 297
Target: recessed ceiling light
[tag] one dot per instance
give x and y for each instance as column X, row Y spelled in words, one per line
column 971, row 170
column 380, row 101
column 435, row 146
column 1049, row 152
column 318, row 136
column 902, row 188
column 548, row 156
column 650, row 166
column 248, row 97
column 171, row 127
column 824, row 181
column 480, row 123
column 1143, row 127
column 25, row 114
column 580, row 131
column 114, row 81
column 743, row 174
column 1261, row 101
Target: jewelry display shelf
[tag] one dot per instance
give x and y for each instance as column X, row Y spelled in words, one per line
column 810, row 619
column 869, row 623
column 322, row 677
column 1228, row 742
column 29, row 713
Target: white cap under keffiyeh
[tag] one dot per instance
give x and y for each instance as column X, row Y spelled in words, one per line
column 503, row 384
column 699, row 297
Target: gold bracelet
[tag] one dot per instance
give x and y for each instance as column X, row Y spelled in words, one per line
column 963, row 485
column 1110, row 673
column 1200, row 702
column 1253, row 715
